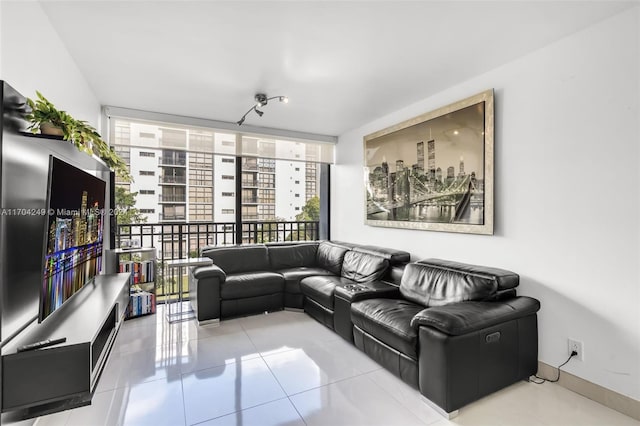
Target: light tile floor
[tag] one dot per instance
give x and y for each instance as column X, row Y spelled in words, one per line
column 284, row 368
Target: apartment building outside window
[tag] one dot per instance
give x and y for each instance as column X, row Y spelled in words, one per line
column 194, row 174
column 171, row 157
column 173, row 212
column 198, row 177
column 173, row 194
column 201, row 195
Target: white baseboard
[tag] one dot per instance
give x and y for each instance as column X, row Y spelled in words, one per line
column 614, row 400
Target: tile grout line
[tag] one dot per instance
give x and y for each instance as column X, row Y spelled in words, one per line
column 283, row 390
column 234, row 412
column 184, row 405
column 398, row 400
column 332, row 383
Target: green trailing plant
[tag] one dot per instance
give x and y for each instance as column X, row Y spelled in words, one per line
column 79, row 132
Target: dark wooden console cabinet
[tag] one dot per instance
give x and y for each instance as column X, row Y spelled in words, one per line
column 65, row 375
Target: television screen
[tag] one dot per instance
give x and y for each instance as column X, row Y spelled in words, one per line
column 73, row 246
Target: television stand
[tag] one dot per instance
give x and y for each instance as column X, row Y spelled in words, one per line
column 64, row 376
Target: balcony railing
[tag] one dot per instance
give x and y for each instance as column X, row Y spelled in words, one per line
column 163, row 198
column 173, row 179
column 178, row 240
column 172, row 161
column 249, row 167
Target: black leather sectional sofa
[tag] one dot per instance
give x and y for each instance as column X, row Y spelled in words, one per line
column 455, row 331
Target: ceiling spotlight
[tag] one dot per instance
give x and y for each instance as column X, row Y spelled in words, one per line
column 261, row 100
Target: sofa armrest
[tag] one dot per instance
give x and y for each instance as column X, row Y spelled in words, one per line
column 464, row 317
column 204, row 291
column 202, row 272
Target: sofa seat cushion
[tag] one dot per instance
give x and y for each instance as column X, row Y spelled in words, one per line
column 389, row 320
column 251, row 284
column 292, row 277
column 321, row 288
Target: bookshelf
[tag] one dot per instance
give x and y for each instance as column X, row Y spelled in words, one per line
column 141, row 264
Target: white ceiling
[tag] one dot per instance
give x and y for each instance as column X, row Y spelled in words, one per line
column 342, row 63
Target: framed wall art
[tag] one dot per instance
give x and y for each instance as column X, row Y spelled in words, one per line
column 435, row 171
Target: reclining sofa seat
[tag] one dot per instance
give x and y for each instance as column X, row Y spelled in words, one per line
column 256, row 278
column 297, row 261
column 354, row 264
column 243, row 281
column 458, row 332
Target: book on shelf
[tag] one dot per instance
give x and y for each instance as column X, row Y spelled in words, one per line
column 141, row 272
column 142, row 303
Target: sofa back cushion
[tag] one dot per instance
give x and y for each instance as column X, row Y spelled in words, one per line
column 395, row 257
column 330, row 256
column 504, row 280
column 363, row 267
column 236, row 259
column 435, row 282
column 292, row 256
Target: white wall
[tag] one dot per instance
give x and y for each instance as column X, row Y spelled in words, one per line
column 138, row 163
column 32, row 57
column 220, row 185
column 566, row 194
column 287, row 188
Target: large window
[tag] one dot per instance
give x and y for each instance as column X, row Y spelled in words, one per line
column 201, row 213
column 201, row 160
column 172, row 157
column 200, row 195
column 201, row 177
column 173, row 175
column 267, row 180
column 267, row 196
column 173, row 213
column 173, row 194
column 196, row 179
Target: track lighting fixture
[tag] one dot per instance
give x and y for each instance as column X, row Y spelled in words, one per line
column 261, row 100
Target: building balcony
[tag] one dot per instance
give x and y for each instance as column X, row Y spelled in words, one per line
column 172, row 198
column 172, row 162
column 179, row 180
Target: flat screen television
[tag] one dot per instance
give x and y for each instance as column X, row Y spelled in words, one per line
column 73, row 237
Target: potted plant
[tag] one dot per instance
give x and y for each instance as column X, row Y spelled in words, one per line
column 47, row 119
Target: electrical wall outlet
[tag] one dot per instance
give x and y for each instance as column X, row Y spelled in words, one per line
column 575, row 345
